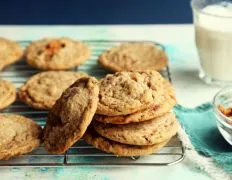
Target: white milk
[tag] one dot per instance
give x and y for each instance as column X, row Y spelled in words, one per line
column 214, row 40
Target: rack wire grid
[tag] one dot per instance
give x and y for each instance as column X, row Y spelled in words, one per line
column 81, row 154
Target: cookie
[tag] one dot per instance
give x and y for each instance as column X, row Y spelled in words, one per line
column 143, row 133
column 134, row 57
column 144, row 115
column 128, row 92
column 71, row 115
column 7, row 93
column 10, row 52
column 56, row 54
column 43, row 89
column 18, row 135
column 119, row 149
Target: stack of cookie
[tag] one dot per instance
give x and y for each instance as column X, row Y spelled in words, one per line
column 133, row 115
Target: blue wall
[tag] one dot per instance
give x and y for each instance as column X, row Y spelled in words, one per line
column 95, row 11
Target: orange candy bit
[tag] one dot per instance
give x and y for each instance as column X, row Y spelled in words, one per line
column 54, row 46
column 226, row 111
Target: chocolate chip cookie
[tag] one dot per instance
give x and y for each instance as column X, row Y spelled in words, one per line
column 71, row 115
column 18, row 135
column 134, row 57
column 43, row 89
column 7, row 93
column 128, row 92
column 147, row 114
column 119, row 149
column 56, row 54
column 10, row 52
column 143, row 133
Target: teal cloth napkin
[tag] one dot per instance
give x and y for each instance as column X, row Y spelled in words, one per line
column 200, row 126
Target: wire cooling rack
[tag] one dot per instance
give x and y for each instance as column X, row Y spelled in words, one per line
column 81, row 154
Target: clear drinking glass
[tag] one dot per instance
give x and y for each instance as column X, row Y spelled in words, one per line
column 213, row 36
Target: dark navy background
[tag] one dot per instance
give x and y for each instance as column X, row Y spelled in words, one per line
column 95, row 11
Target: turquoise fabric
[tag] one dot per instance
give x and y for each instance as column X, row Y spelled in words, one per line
column 200, row 125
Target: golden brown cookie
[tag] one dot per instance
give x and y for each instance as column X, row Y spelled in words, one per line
column 56, row 54
column 43, row 89
column 71, row 115
column 134, row 57
column 128, row 92
column 10, row 52
column 149, row 132
column 147, row 114
column 119, row 149
column 18, row 135
column 7, row 93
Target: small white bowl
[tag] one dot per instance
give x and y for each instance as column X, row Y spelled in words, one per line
column 224, row 123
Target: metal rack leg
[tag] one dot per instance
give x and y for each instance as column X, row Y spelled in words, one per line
column 65, row 158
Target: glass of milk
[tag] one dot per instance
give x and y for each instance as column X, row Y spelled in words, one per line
column 213, row 35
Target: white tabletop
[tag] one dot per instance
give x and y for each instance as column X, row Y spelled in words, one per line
column 184, row 68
